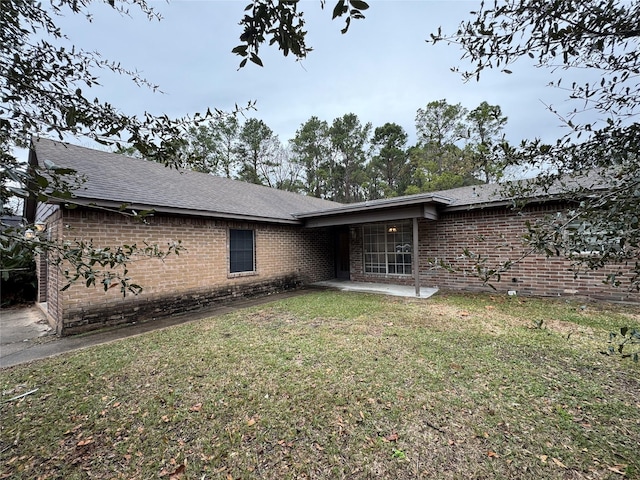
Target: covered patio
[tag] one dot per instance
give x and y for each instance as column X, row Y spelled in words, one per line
column 379, row 240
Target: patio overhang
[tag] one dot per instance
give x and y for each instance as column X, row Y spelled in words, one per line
column 393, row 209
column 416, row 206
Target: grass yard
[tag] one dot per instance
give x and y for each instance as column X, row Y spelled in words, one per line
column 336, row 385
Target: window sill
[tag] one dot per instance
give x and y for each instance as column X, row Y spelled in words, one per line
column 242, row 274
column 389, row 275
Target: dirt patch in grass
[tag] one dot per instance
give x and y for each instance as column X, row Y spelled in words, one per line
column 492, row 321
column 568, row 328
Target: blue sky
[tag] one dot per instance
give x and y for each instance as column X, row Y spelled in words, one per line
column 383, row 69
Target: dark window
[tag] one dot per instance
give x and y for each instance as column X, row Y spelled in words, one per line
column 241, row 251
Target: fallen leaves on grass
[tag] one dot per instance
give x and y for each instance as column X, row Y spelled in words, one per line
column 332, row 394
column 177, row 474
column 619, row 469
column 558, row 463
column 84, row 442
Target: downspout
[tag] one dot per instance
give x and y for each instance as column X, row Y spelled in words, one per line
column 416, row 260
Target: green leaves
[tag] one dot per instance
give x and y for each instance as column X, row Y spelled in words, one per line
column 564, row 36
column 17, row 267
column 348, row 138
column 276, row 22
column 71, row 117
column 282, row 24
column 388, row 169
column 105, row 266
column 359, row 5
column 339, row 9
column 255, row 59
column 620, row 343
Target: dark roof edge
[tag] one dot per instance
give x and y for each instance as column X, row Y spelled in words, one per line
column 478, row 206
column 111, row 205
column 506, row 202
column 378, row 204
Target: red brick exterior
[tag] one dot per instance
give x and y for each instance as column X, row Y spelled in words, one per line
column 496, row 234
column 49, row 278
column 286, row 257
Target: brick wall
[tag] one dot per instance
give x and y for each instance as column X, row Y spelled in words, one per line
column 50, row 280
column 50, row 215
column 286, row 257
column 496, row 234
column 41, row 274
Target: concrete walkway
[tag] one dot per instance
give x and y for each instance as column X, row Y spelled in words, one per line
column 21, row 328
column 25, row 334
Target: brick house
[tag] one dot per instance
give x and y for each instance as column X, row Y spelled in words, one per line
column 243, row 239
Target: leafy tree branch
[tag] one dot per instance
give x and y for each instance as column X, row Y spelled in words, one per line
column 43, row 91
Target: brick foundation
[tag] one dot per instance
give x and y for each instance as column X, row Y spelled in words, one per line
column 134, row 309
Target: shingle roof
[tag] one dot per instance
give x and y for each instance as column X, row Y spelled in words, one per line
column 476, row 196
column 114, row 179
column 464, row 198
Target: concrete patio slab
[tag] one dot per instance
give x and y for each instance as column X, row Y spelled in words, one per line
column 379, row 288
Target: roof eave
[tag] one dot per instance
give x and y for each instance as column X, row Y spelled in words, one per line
column 505, row 203
column 115, row 206
column 374, row 205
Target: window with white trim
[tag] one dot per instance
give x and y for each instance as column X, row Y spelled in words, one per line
column 387, row 248
column 241, row 251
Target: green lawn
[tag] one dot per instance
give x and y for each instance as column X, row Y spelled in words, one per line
column 335, row 385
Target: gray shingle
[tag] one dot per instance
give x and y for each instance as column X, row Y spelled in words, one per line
column 116, row 178
column 472, row 197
